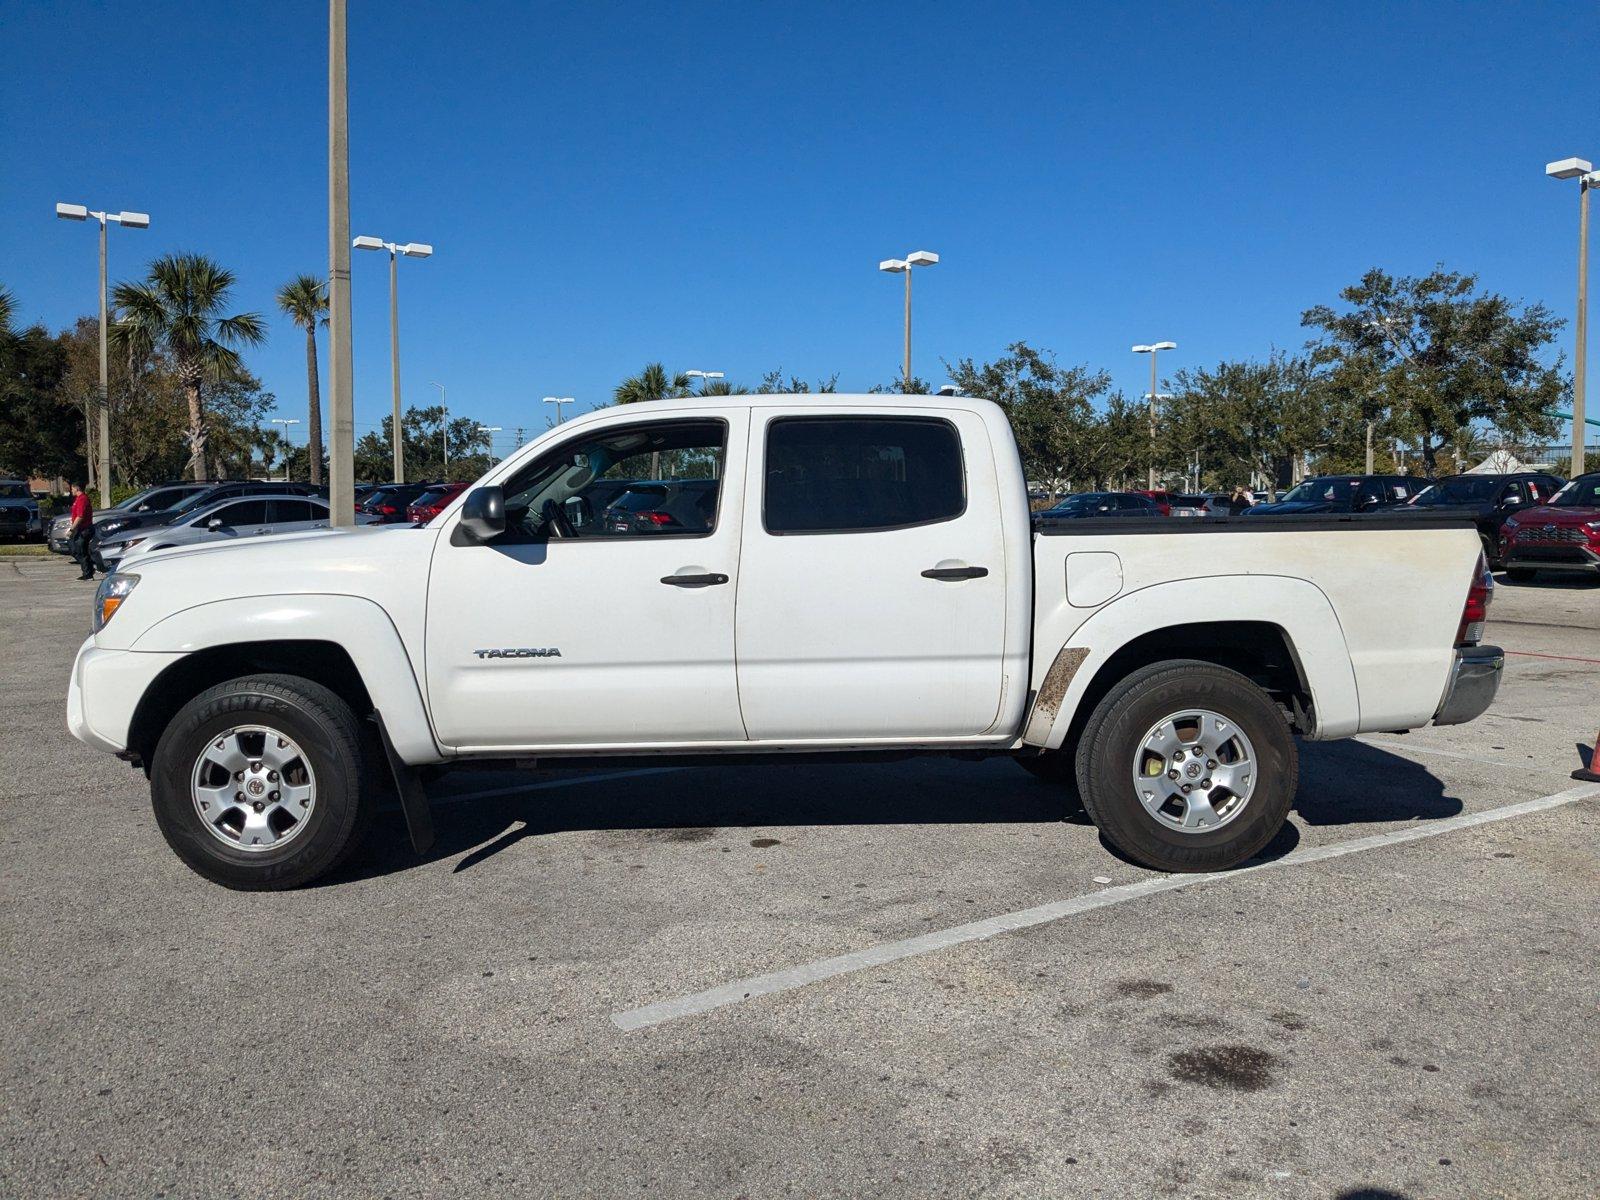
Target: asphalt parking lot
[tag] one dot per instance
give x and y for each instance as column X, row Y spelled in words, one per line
column 554, row 1001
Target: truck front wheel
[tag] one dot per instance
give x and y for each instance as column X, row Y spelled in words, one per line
column 258, row 783
column 1187, row 766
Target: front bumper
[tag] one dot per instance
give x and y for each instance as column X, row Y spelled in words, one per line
column 105, row 690
column 1474, row 680
column 1552, row 557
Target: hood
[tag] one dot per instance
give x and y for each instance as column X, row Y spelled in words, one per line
column 387, row 564
column 1550, row 514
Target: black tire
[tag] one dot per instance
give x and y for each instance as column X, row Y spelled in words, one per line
column 1522, row 574
column 329, row 735
column 1491, row 552
column 1112, row 736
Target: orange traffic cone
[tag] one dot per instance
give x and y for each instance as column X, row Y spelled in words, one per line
column 1590, row 771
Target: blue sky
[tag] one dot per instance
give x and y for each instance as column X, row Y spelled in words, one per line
column 712, row 185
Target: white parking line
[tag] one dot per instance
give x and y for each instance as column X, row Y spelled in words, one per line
column 876, row 956
column 572, row 781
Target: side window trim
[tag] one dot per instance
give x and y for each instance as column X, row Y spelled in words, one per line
column 919, row 418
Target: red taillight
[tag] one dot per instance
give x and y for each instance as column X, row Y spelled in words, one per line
column 1476, row 610
column 656, row 518
column 388, row 510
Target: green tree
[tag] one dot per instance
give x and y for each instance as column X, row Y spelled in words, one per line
column 1433, row 356
column 652, row 383
column 1251, row 422
column 1051, row 409
column 424, row 432
column 177, row 307
column 305, row 299
column 774, row 384
column 38, row 435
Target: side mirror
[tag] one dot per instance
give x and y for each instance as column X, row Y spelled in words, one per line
column 1511, row 502
column 215, row 523
column 483, row 513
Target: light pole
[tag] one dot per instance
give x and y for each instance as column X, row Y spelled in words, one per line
column 1152, row 350
column 444, row 425
column 1583, row 171
column 705, row 377
column 558, row 401
column 491, row 429
column 341, row 382
column 410, row 250
column 133, row 220
column 287, row 440
column 903, row 266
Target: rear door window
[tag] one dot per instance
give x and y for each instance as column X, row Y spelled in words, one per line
column 237, row 516
column 857, row 474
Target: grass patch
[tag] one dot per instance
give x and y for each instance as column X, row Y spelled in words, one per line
column 24, row 550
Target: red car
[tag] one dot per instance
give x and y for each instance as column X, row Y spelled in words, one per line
column 432, row 502
column 1563, row 535
column 1166, row 501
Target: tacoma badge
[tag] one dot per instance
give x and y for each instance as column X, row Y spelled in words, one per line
column 524, row 652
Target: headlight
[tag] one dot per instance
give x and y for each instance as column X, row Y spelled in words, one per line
column 108, row 597
column 1510, row 525
column 111, row 527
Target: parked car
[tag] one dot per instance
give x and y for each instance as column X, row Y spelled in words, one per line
column 249, row 516
column 650, row 505
column 1488, row 501
column 1099, row 504
column 891, row 594
column 432, row 502
column 1342, row 494
column 1160, row 497
column 389, row 501
column 1562, row 534
column 158, row 498
column 19, row 511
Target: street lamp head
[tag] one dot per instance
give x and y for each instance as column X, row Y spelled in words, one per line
column 921, row 258
column 415, row 250
column 893, row 265
column 367, row 243
column 1165, row 346
column 72, row 212
column 1566, row 168
column 129, row 220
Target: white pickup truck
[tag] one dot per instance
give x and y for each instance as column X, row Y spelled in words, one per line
column 773, row 575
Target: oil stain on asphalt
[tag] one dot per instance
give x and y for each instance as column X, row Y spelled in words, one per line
column 1241, row 1068
column 1142, row 989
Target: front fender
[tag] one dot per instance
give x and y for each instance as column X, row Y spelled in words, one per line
column 1296, row 606
column 361, row 626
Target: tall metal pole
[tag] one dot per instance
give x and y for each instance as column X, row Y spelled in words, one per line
column 105, row 408
column 341, row 400
column 1369, row 446
column 394, row 364
column 1152, row 481
column 907, row 385
column 1580, row 355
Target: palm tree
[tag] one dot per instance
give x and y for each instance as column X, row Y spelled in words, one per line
column 177, row 308
column 8, row 306
column 652, row 383
column 305, row 299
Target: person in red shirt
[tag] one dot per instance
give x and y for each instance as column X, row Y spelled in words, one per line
column 82, row 531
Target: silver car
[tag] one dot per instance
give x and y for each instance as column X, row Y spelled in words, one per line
column 229, row 520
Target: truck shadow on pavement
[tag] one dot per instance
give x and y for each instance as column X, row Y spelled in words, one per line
column 1341, row 783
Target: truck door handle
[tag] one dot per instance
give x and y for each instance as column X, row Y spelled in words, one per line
column 694, row 581
column 955, row 572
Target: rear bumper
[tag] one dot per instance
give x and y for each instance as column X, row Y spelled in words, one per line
column 1474, row 680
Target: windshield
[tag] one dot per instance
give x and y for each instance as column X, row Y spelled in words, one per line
column 1461, row 490
column 1583, row 492
column 1320, row 491
column 15, row 491
column 196, row 501
column 1078, row 504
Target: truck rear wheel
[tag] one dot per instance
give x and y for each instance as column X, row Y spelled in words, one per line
column 259, row 783
column 1187, row 766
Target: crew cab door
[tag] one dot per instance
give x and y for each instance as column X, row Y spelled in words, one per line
column 603, row 626
column 873, row 578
